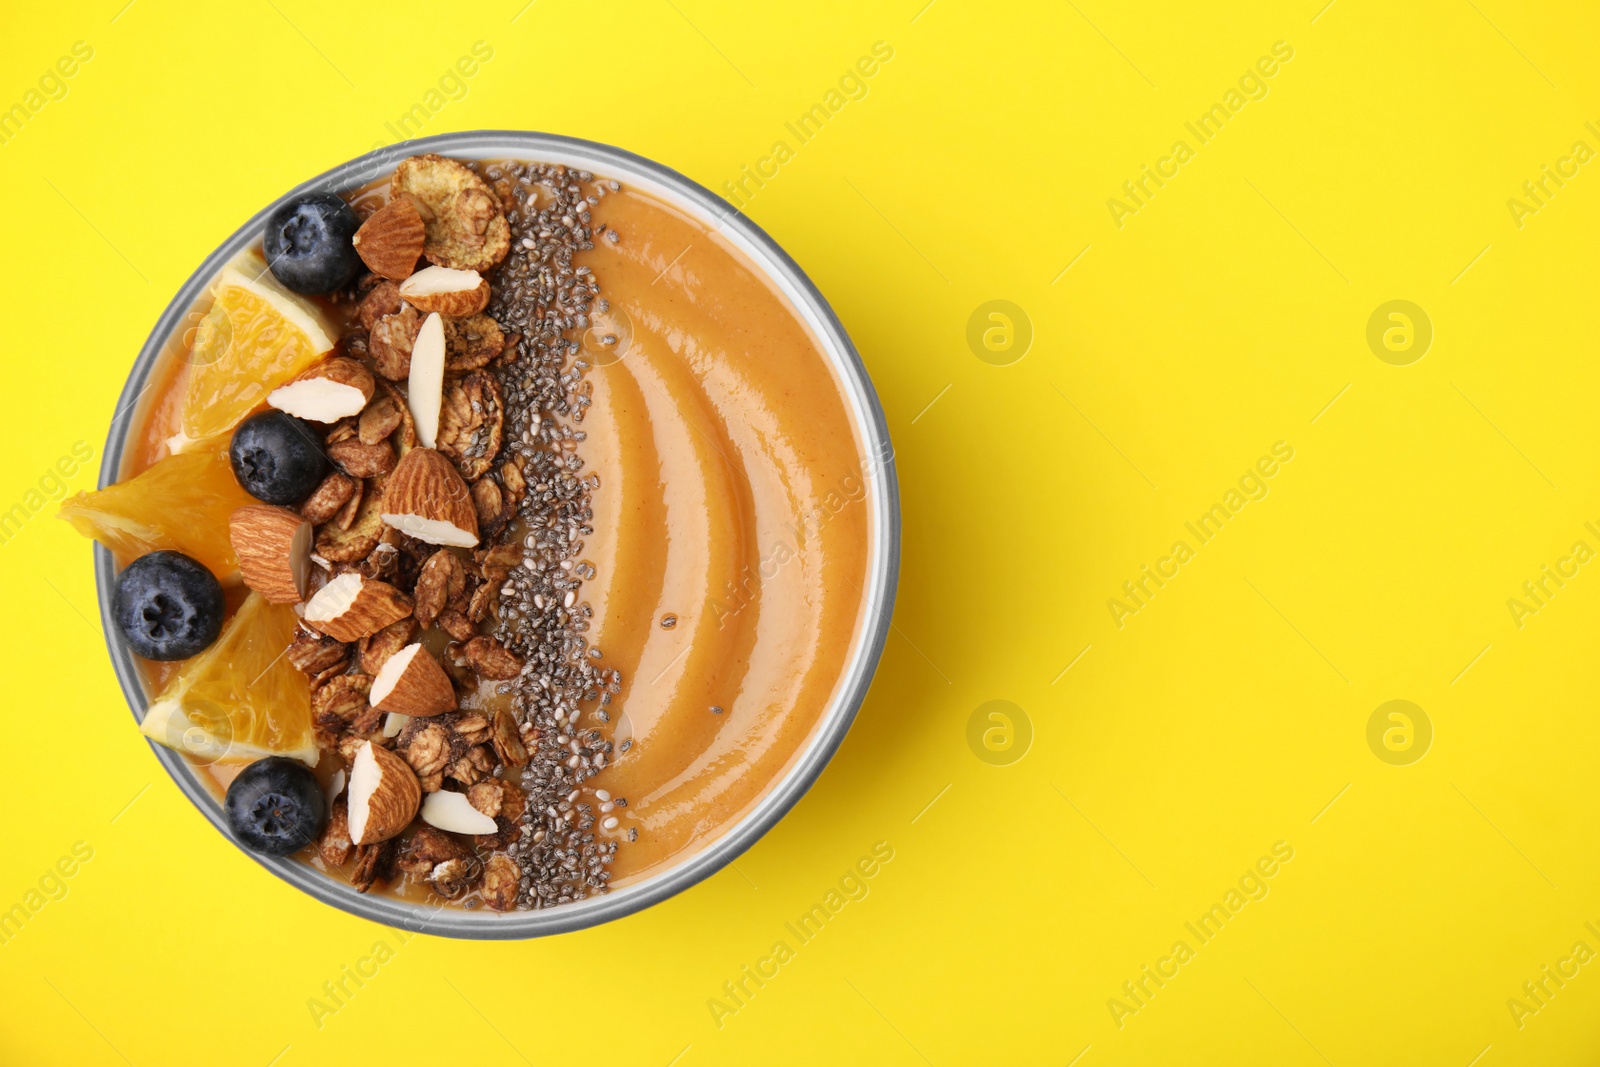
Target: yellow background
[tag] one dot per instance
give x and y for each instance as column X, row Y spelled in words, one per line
column 1228, row 714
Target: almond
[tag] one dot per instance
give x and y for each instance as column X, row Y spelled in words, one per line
column 390, row 241
column 425, row 379
column 332, row 390
column 427, row 498
column 412, row 683
column 274, row 548
column 450, row 811
column 351, row 607
column 452, row 293
column 384, row 795
column 336, row 785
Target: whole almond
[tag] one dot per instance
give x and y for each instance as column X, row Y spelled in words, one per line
column 390, row 241
column 273, row 546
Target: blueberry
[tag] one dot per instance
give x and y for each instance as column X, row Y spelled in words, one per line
column 276, row 806
column 308, row 243
column 277, row 457
column 168, row 606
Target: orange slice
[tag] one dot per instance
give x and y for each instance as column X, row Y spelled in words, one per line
column 241, row 699
column 256, row 337
column 182, row 503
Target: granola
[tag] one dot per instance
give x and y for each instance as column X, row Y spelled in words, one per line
column 423, row 560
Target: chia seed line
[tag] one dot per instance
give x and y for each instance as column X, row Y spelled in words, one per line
column 543, row 296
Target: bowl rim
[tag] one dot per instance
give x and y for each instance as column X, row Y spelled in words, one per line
column 883, row 568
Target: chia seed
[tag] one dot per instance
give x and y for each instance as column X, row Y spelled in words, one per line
column 544, row 298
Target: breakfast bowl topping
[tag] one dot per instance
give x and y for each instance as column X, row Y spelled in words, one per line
column 308, row 243
column 351, row 607
column 426, row 498
column 384, row 795
column 168, row 606
column 332, row 390
column 425, row 378
column 454, row 812
column 452, row 293
column 390, row 241
column 277, row 458
column 274, row 549
column 276, row 806
column 411, row 683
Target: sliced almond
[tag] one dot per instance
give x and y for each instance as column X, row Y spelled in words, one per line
column 393, row 723
column 336, row 785
column 454, row 812
column 384, row 795
column 427, row 498
column 425, row 380
column 274, row 550
column 332, row 390
column 450, row 292
column 390, row 241
column 351, row 607
column 412, row 683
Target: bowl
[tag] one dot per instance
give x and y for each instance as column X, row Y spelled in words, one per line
column 883, row 554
